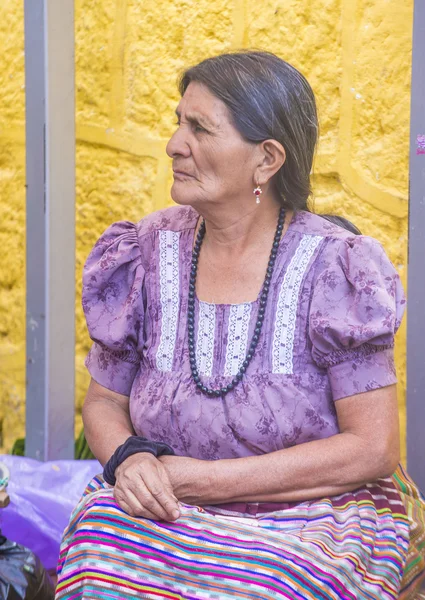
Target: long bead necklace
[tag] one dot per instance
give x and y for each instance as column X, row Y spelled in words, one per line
column 260, row 317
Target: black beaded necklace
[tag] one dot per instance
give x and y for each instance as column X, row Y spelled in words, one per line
column 260, row 318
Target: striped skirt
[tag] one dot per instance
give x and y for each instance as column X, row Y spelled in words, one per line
column 366, row 544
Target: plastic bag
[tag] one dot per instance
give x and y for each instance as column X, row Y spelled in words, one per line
column 42, row 498
column 22, row 576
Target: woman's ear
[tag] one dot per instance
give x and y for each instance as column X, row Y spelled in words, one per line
column 273, row 157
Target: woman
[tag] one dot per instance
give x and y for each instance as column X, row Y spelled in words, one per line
column 255, row 341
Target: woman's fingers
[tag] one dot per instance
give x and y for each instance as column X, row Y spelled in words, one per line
column 161, row 502
column 143, row 484
column 154, row 489
column 154, row 495
column 130, row 504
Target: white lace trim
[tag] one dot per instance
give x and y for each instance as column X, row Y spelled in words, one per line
column 237, row 340
column 170, row 297
column 205, row 339
column 286, row 311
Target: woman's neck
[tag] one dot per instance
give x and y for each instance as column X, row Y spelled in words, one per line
column 234, row 230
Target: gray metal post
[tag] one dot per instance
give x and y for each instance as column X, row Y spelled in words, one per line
column 50, row 225
column 416, row 275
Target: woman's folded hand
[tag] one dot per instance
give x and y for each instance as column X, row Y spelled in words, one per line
column 143, row 488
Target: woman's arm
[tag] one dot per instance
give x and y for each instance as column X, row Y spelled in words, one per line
column 366, row 448
column 142, row 486
column 106, row 419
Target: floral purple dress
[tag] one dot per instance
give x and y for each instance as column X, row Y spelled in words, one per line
column 334, row 306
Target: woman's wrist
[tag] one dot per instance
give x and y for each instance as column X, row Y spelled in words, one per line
column 193, row 480
column 133, row 445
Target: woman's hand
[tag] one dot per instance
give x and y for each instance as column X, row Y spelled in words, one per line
column 143, row 488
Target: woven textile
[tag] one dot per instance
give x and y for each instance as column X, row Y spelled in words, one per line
column 353, row 546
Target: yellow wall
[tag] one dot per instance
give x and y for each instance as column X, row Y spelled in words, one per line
column 355, row 53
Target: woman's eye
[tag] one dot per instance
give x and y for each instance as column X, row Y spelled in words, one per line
column 196, row 128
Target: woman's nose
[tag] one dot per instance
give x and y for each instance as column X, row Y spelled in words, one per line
column 178, row 146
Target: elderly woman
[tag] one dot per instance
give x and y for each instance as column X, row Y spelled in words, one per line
column 243, row 396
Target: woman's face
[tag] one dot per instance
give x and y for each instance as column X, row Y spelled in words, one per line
column 212, row 163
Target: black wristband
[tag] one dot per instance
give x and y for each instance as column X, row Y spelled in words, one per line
column 133, row 445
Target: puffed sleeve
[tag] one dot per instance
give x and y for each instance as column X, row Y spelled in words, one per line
column 356, row 308
column 113, row 305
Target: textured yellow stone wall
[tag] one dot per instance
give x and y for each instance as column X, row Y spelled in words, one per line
column 355, row 53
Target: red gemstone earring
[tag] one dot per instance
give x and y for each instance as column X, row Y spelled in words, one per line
column 257, row 192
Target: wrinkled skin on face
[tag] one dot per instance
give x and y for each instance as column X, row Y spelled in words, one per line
column 212, row 163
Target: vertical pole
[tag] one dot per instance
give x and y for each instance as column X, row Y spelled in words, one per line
column 416, row 274
column 50, row 225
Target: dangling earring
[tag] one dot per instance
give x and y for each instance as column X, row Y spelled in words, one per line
column 257, row 192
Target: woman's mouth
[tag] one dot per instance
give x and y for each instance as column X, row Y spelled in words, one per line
column 181, row 174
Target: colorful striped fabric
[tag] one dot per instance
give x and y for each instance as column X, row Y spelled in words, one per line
column 414, row 569
column 367, row 544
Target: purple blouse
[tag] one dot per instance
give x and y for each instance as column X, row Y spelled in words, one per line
column 334, row 305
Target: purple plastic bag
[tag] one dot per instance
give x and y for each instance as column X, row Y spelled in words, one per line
column 42, row 497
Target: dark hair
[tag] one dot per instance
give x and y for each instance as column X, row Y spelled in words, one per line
column 342, row 222
column 267, row 99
